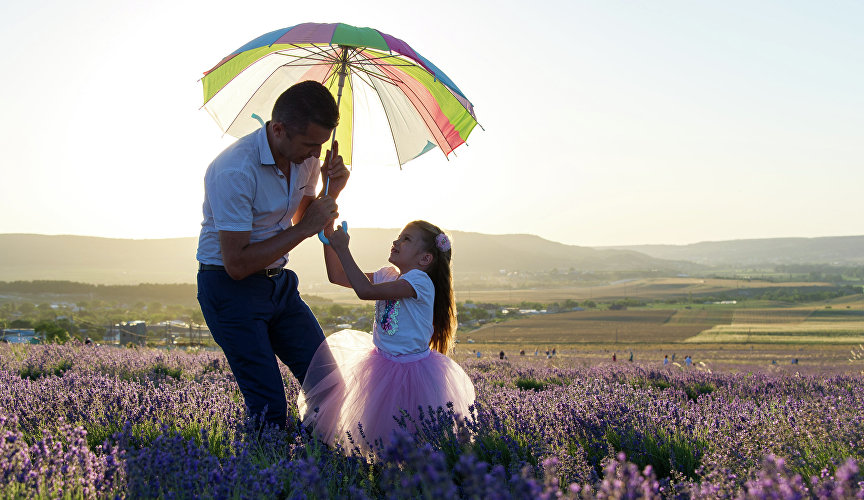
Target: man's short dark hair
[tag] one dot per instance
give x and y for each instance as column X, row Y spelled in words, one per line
column 303, row 103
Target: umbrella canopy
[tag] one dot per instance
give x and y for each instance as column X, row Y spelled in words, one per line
column 423, row 106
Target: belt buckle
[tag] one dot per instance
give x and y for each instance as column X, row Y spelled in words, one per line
column 273, row 272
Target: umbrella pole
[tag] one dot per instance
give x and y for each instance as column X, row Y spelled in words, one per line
column 343, row 72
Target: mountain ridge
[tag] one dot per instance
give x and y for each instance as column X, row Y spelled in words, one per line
column 100, row 260
column 837, row 250
column 172, row 260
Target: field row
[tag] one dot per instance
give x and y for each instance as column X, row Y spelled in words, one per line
column 714, row 324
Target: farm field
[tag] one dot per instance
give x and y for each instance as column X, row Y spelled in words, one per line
column 842, row 323
column 635, row 325
column 811, row 337
column 96, row 422
column 719, row 358
column 646, row 288
column 649, row 289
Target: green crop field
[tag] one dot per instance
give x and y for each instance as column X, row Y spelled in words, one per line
column 699, row 324
column 639, row 325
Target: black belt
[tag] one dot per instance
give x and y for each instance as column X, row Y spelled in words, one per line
column 270, row 273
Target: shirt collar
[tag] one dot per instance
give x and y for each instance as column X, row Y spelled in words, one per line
column 264, row 152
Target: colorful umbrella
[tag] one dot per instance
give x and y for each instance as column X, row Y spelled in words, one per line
column 424, row 108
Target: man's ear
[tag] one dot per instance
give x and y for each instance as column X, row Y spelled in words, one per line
column 278, row 128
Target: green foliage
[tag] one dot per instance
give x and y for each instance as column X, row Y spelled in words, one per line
column 162, row 371
column 530, row 384
column 34, row 372
column 652, row 382
column 789, row 294
column 697, row 389
column 52, row 332
column 666, row 451
column 504, row 449
column 620, row 305
column 213, row 437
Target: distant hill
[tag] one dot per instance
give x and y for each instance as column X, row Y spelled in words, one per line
column 840, row 250
column 126, row 261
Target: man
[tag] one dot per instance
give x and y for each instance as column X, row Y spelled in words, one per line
column 259, row 203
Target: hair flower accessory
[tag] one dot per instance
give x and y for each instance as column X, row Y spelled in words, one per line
column 442, row 242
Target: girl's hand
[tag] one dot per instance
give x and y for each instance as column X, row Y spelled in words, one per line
column 339, row 239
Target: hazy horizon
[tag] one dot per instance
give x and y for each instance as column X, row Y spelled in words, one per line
column 606, row 123
column 475, row 232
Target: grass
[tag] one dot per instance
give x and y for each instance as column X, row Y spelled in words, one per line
column 804, row 332
column 530, row 384
column 697, row 389
column 143, row 434
column 161, row 370
column 666, row 451
column 35, row 372
column 504, row 449
column 771, row 316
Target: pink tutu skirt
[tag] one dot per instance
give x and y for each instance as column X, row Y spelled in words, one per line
column 351, row 382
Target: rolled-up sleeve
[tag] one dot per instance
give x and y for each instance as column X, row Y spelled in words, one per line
column 231, row 194
column 312, row 180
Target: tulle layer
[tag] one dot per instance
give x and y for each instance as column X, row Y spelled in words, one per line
column 350, row 381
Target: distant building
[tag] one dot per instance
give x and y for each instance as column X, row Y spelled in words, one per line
column 132, row 332
column 20, row 336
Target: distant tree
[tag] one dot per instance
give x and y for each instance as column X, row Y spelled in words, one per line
column 52, row 332
column 337, row 310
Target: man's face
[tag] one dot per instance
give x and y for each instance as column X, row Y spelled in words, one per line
column 298, row 147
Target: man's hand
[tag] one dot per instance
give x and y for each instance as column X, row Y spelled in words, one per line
column 335, row 169
column 318, row 214
column 339, row 239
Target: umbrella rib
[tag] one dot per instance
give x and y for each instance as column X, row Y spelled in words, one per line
column 320, row 60
column 234, row 120
column 319, row 50
column 380, row 76
column 356, row 63
column 390, row 126
column 360, row 75
column 400, row 57
column 428, row 113
column 331, row 73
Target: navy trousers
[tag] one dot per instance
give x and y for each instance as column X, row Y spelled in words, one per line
column 254, row 321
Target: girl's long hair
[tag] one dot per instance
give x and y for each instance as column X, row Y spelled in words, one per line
column 444, row 310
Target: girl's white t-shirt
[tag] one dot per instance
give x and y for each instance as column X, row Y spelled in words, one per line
column 404, row 326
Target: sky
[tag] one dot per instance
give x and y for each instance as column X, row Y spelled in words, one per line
column 605, row 122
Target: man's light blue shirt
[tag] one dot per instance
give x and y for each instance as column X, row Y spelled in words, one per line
column 245, row 191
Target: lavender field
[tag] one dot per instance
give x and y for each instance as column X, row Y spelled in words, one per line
column 95, row 422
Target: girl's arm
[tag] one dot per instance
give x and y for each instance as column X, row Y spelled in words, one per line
column 335, row 273
column 357, row 279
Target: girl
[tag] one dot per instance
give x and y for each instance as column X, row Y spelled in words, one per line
column 356, row 378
